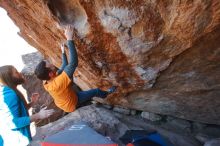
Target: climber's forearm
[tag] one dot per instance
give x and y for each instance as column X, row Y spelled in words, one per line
column 64, row 63
column 73, row 60
column 73, row 53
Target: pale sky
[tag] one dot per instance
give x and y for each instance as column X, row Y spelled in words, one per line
column 12, row 46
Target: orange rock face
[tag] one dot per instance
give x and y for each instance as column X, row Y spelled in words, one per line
column 163, row 54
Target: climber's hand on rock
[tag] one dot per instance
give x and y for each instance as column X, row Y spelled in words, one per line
column 69, row 32
column 62, row 48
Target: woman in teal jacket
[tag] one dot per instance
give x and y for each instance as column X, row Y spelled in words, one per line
column 15, row 120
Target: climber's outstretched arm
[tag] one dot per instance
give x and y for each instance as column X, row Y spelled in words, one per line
column 73, row 57
column 64, row 60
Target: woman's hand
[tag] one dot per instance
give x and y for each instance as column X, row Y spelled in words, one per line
column 44, row 113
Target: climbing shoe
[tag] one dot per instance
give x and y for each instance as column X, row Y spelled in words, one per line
column 112, row 89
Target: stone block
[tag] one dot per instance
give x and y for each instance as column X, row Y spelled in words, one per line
column 121, row 110
column 151, row 116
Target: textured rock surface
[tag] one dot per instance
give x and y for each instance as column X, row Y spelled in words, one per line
column 163, row 55
column 213, row 142
column 111, row 124
column 151, row 116
column 32, row 85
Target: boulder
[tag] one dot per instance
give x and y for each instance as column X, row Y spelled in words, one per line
column 164, row 55
column 110, row 124
column 213, row 142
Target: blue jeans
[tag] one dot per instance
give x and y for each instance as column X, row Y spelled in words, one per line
column 84, row 96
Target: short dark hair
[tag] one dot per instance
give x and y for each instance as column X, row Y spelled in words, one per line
column 41, row 71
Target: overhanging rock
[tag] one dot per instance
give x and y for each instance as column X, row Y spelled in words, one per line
column 163, row 55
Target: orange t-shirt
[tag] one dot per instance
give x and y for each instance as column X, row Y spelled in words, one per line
column 60, row 88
